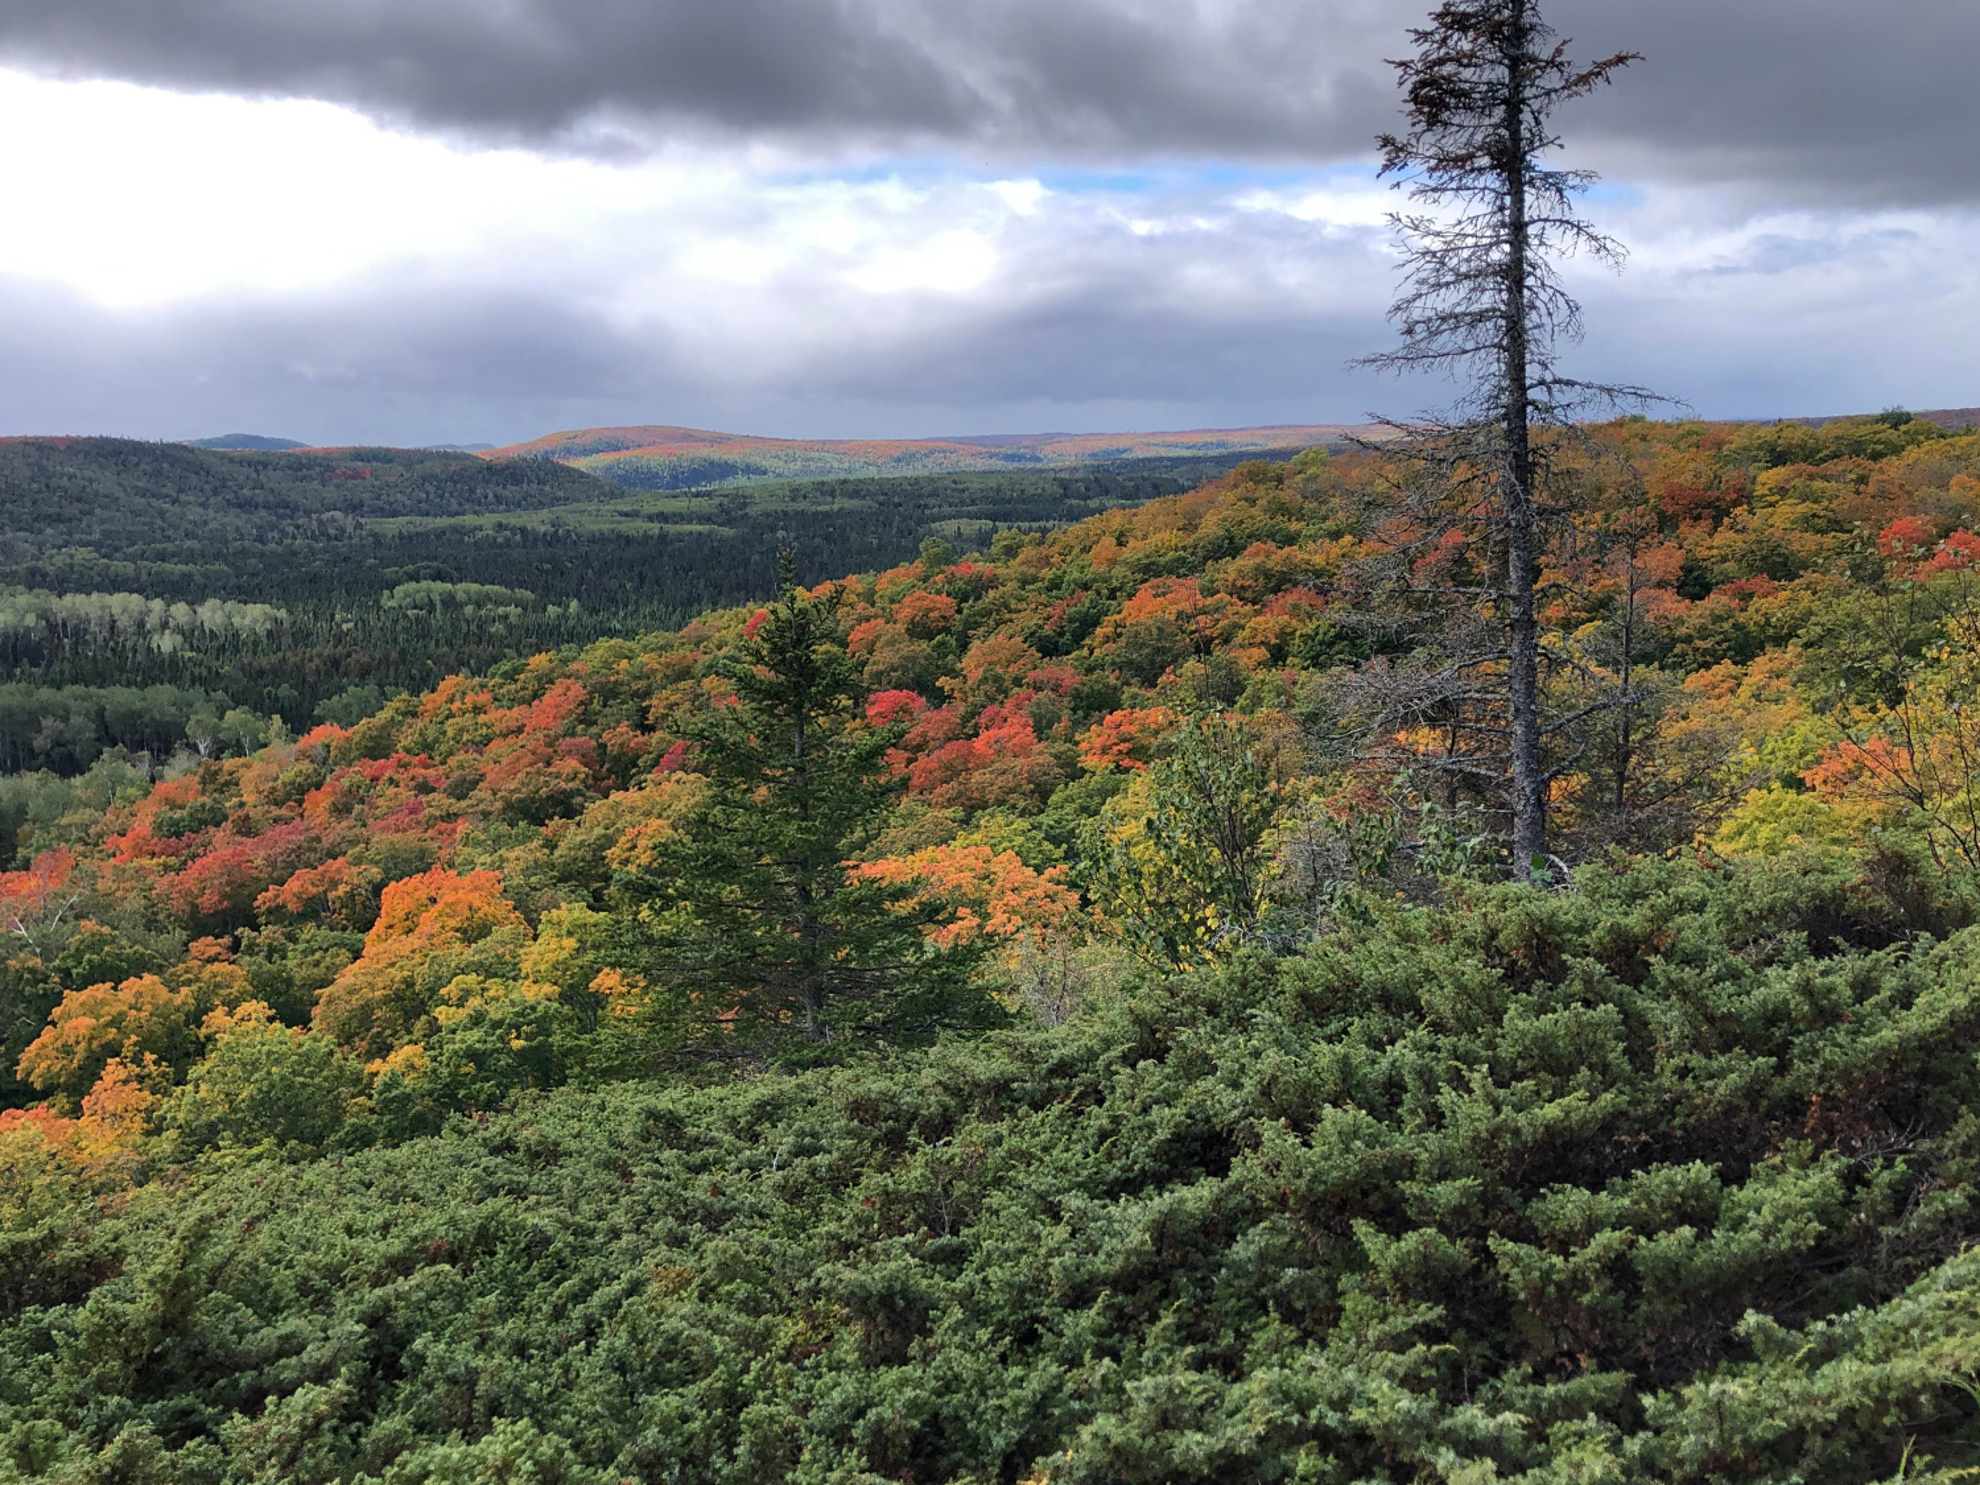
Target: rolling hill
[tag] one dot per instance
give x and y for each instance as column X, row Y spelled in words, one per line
column 247, row 442
column 112, row 493
column 652, row 457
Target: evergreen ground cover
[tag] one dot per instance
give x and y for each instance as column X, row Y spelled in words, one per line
column 1667, row 1178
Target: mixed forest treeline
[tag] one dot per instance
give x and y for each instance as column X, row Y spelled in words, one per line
column 142, row 583
column 1055, row 1012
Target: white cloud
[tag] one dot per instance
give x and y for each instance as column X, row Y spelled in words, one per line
column 1342, row 203
column 145, row 197
column 266, row 253
column 948, row 263
column 1021, row 196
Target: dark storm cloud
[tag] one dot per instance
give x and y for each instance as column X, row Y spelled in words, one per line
column 1019, row 72
column 1834, row 96
column 1837, row 99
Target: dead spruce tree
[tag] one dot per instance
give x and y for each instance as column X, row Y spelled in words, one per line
column 1482, row 299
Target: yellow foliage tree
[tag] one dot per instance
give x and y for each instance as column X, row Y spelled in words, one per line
column 1917, row 759
column 142, row 1017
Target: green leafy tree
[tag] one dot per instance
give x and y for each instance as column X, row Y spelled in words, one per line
column 501, row 1045
column 1179, row 862
column 241, row 731
column 28, row 992
column 262, row 1083
column 203, row 731
column 749, row 924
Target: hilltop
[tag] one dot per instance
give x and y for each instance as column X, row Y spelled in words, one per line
column 110, row 493
column 667, row 458
column 1952, row 419
column 250, row 442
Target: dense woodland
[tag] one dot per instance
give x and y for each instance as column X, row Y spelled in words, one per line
column 148, row 590
column 1054, row 1012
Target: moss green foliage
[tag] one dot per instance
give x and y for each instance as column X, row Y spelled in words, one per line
column 1658, row 1180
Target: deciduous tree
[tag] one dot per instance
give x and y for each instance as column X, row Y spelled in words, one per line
column 1178, row 863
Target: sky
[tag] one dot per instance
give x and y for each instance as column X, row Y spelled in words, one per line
column 461, row 221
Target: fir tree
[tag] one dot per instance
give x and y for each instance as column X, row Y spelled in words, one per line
column 751, row 923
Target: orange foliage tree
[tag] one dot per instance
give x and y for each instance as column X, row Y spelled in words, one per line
column 992, row 893
column 35, row 903
column 427, row 927
column 1125, row 739
column 143, row 1017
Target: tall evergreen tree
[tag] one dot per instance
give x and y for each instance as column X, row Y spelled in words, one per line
column 750, row 916
column 1483, row 299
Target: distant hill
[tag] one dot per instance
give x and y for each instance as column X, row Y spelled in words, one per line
column 111, row 493
column 253, row 441
column 1952, row 419
column 665, row 458
column 328, row 536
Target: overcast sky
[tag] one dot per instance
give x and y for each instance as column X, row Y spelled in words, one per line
column 420, row 221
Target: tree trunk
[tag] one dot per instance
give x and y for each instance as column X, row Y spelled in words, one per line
column 1529, row 788
column 1626, row 736
column 811, row 955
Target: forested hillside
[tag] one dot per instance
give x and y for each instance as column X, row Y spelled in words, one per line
column 116, row 493
column 148, row 591
column 1056, row 1013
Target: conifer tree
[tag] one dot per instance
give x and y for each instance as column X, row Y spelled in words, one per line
column 750, row 917
column 1483, row 299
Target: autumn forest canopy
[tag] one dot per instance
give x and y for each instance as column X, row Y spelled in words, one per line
column 148, row 590
column 1450, row 956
